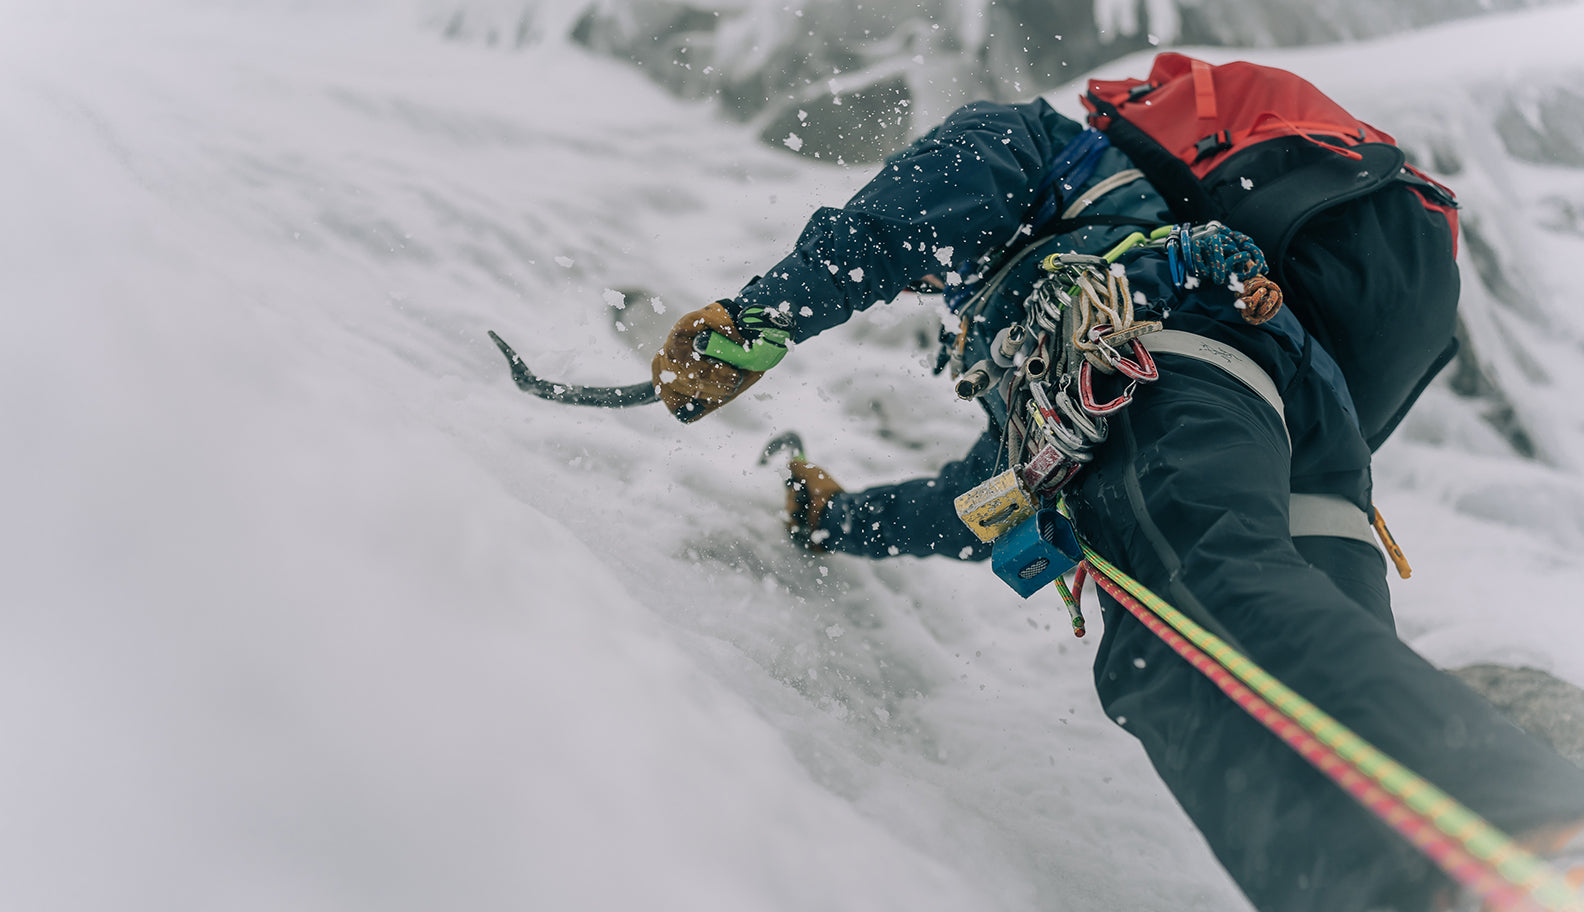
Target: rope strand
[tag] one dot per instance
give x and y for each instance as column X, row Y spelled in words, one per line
column 1461, row 843
column 1231, row 258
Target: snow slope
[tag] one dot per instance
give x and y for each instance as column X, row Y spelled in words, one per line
column 305, row 606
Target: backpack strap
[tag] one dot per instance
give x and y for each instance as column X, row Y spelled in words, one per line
column 1186, row 197
column 1307, row 514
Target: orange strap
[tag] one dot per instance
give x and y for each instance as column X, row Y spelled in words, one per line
column 1204, row 90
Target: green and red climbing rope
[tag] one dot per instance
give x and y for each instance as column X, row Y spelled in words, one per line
column 1471, row 851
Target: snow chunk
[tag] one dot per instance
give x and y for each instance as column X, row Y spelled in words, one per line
column 793, row 142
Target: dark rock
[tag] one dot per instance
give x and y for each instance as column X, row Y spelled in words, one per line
column 1546, row 707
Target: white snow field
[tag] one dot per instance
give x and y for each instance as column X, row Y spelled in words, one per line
column 306, row 607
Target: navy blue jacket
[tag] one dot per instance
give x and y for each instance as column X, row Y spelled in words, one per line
column 959, row 191
column 962, row 190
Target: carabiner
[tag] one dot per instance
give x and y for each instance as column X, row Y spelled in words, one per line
column 1141, row 367
column 1086, row 396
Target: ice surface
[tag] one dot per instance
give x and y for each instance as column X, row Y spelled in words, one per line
column 306, row 606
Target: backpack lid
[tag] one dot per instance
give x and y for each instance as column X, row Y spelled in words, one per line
column 1232, row 106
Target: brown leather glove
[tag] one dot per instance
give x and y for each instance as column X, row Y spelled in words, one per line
column 690, row 384
column 809, row 491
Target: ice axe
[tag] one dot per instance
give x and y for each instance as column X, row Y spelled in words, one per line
column 570, row 393
column 787, row 441
column 791, row 442
column 758, row 355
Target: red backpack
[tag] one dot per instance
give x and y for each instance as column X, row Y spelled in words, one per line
column 1362, row 244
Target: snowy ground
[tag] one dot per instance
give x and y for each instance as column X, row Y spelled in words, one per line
column 306, row 607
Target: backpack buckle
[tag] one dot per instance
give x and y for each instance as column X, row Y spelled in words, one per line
column 1216, row 142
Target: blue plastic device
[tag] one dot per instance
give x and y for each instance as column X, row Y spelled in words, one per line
column 1036, row 552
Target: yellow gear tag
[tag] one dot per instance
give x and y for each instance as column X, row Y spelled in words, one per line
column 995, row 506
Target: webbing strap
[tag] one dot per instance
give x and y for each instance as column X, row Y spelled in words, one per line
column 1308, row 514
column 1229, row 359
column 1204, row 91
column 1330, row 515
column 1101, row 188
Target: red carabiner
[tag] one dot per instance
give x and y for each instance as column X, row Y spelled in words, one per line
column 1140, row 367
column 1086, row 396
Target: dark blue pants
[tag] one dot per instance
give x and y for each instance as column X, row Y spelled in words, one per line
column 1190, row 497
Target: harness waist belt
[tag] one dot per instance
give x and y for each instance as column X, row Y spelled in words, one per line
column 1328, row 514
column 1308, row 514
column 1229, row 359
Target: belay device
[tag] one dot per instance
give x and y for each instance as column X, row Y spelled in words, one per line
column 1037, row 552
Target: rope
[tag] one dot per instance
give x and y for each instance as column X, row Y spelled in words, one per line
column 1462, row 844
column 1230, row 258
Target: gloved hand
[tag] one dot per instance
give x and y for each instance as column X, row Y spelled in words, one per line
column 692, row 385
column 809, row 492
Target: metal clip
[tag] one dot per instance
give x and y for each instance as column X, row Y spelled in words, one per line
column 1086, row 396
column 1141, row 367
column 1093, row 427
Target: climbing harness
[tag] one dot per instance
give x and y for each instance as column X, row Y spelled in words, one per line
column 1075, row 360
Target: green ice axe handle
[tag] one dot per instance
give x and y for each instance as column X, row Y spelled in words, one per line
column 761, row 354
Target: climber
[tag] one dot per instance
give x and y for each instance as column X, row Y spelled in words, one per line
column 1232, row 476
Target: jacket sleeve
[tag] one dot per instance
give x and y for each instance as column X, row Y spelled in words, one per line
column 948, row 198
column 915, row 517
